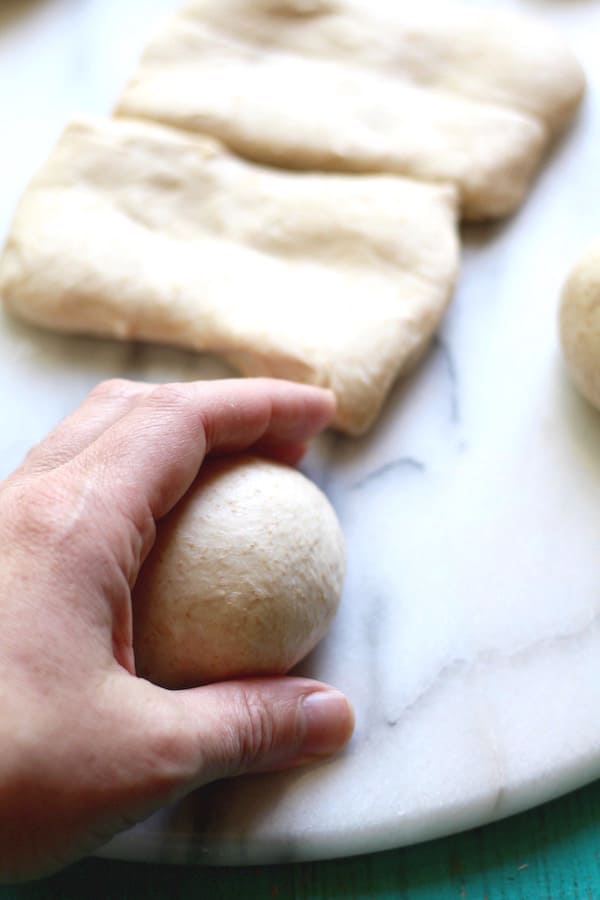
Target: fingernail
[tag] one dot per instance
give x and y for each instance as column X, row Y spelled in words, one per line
column 328, row 722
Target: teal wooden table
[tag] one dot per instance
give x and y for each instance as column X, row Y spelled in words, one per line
column 550, row 853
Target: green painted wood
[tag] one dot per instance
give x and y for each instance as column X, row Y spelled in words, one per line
column 550, row 853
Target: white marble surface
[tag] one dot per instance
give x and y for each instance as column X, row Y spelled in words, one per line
column 469, row 635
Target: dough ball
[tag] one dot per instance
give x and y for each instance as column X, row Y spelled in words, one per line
column 580, row 324
column 244, row 578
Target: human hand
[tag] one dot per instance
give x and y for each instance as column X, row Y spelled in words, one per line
column 87, row 748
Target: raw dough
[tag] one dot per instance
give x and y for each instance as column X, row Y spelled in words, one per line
column 580, row 323
column 136, row 231
column 244, row 579
column 434, row 90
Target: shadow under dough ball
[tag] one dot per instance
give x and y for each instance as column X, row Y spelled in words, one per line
column 244, row 578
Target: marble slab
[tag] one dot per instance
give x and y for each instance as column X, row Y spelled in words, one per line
column 469, row 634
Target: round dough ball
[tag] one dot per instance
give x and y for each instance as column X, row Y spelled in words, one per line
column 580, row 324
column 244, row 578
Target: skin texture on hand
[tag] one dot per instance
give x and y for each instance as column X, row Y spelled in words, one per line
column 87, row 748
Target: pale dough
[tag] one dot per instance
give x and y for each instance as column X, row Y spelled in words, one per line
column 433, row 90
column 580, row 323
column 244, row 578
column 137, row 231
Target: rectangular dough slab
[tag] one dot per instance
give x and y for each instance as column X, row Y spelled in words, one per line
column 433, row 90
column 137, row 231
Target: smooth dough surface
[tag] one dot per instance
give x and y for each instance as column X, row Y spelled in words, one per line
column 580, row 323
column 434, row 90
column 244, row 579
column 134, row 230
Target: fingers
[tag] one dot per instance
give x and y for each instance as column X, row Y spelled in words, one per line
column 150, row 456
column 110, row 401
column 262, row 411
column 104, row 406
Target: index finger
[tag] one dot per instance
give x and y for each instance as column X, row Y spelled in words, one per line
column 145, row 462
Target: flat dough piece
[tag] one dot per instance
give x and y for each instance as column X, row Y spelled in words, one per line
column 136, row 231
column 432, row 90
column 580, row 323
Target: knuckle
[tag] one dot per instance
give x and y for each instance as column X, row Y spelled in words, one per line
column 170, row 397
column 55, row 514
column 36, row 509
column 116, row 389
column 255, row 732
column 34, row 453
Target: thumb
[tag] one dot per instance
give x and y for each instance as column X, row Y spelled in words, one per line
column 182, row 740
column 264, row 724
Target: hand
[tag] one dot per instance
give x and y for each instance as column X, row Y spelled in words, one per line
column 87, row 748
